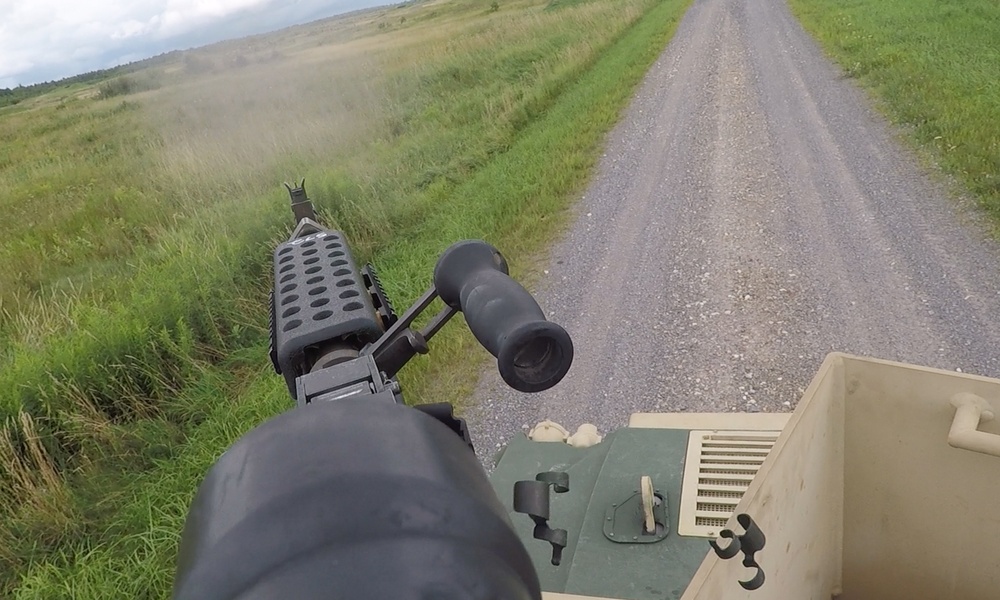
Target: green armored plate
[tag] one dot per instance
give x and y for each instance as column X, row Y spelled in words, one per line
column 600, row 478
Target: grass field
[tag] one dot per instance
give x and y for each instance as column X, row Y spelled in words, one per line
column 935, row 67
column 140, row 214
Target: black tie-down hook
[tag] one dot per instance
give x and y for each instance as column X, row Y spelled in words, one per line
column 532, row 498
column 750, row 543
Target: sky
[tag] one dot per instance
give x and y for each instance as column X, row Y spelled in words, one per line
column 45, row 40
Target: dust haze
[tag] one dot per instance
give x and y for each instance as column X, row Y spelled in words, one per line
column 248, row 114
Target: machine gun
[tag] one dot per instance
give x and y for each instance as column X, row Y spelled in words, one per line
column 354, row 494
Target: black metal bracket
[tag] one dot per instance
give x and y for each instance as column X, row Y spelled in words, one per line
column 444, row 412
column 355, row 377
column 532, row 498
column 751, row 542
column 400, row 343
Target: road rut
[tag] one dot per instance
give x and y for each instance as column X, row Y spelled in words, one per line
column 751, row 214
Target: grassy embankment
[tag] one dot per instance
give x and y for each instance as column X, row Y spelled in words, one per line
column 137, row 233
column 935, row 68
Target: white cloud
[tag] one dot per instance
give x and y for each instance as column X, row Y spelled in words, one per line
column 180, row 16
column 42, row 40
column 132, row 28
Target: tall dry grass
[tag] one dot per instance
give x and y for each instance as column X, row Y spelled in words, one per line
column 33, row 483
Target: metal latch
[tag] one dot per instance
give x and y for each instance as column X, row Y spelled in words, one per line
column 639, row 519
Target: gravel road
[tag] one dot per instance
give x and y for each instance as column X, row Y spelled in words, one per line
column 751, row 214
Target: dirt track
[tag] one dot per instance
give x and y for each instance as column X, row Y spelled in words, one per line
column 750, row 215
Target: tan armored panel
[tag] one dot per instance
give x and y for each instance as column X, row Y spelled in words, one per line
column 876, row 490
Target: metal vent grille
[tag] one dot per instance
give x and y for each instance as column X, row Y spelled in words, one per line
column 719, row 468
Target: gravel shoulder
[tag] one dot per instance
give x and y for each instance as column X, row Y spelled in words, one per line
column 751, row 214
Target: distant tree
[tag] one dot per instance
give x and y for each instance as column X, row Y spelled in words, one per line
column 127, row 84
column 119, row 86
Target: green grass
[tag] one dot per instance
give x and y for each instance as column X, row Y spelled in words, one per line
column 132, row 365
column 935, row 67
column 68, row 192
